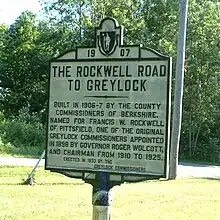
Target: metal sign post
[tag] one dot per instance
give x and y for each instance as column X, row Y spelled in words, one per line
column 30, row 180
column 101, row 197
column 109, row 114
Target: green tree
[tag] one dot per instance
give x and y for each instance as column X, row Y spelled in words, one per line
column 154, row 23
column 27, row 45
column 201, row 91
column 19, row 71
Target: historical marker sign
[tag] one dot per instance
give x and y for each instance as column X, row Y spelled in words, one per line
column 109, row 108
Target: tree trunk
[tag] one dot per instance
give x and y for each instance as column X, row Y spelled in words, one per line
column 196, row 139
column 190, row 135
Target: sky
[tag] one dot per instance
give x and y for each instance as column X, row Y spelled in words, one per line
column 11, row 9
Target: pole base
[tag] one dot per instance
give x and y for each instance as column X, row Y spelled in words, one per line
column 101, row 212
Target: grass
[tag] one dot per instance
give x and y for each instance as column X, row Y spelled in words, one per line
column 61, row 198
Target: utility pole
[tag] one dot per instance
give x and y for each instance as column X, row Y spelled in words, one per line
column 179, row 79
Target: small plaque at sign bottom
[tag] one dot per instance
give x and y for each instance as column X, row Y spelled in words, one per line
column 109, row 109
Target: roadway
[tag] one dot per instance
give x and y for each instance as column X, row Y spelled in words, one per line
column 183, row 170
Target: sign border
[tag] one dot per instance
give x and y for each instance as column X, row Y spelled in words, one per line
column 168, row 112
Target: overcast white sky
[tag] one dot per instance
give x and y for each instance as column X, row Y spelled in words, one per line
column 11, row 9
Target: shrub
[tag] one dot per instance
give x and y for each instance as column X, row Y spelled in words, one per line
column 25, row 133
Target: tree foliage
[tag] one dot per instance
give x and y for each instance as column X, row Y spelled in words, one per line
column 28, row 44
column 201, row 92
column 22, row 71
